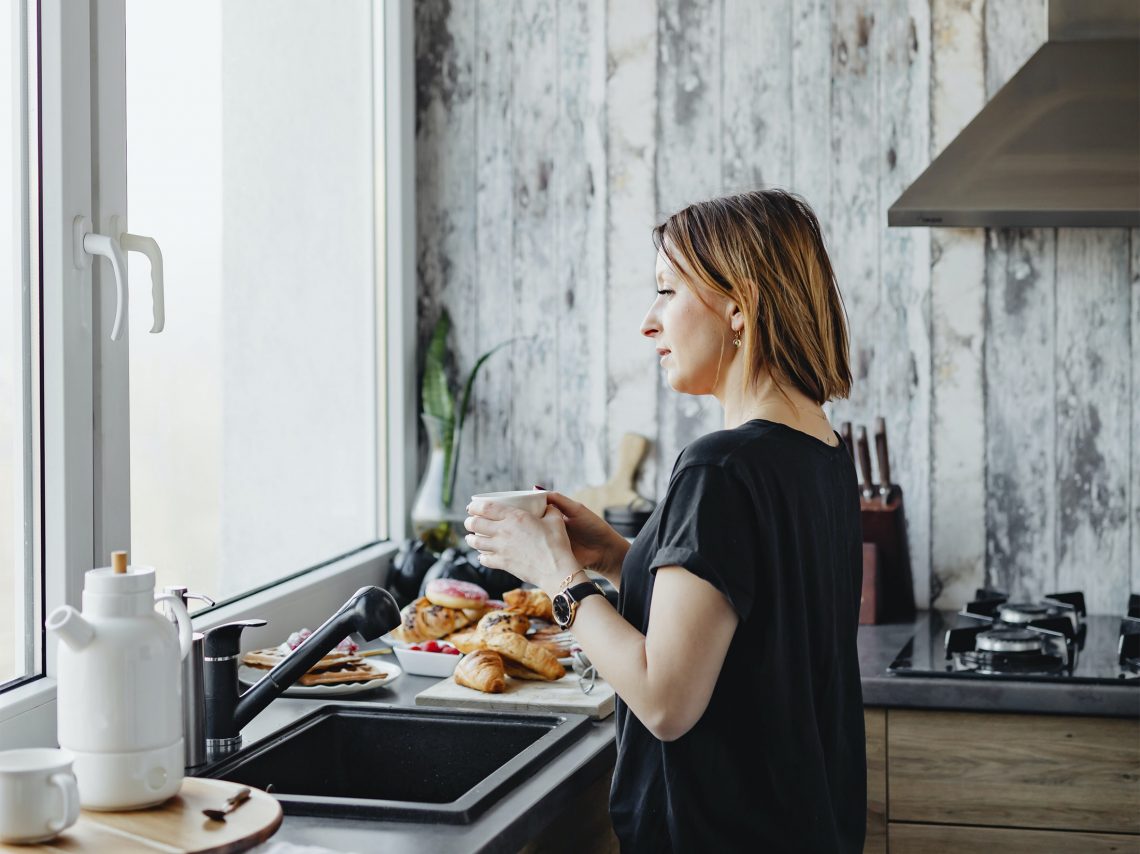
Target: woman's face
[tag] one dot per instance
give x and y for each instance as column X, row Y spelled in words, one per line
column 689, row 336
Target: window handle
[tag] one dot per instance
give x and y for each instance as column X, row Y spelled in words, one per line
column 88, row 243
column 148, row 246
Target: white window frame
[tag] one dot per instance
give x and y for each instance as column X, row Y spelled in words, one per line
column 86, row 470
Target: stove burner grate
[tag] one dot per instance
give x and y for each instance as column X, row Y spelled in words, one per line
column 1018, row 613
column 1012, row 663
column 1009, row 641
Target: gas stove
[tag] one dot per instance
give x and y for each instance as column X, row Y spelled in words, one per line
column 1051, row 640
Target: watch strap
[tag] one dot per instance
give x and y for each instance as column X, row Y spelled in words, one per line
column 580, row 591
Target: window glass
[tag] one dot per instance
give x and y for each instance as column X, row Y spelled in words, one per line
column 253, row 414
column 19, row 578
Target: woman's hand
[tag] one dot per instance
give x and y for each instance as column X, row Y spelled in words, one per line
column 531, row 548
column 593, row 540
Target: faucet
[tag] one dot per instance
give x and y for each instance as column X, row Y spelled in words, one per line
column 371, row 612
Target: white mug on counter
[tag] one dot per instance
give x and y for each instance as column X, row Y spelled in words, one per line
column 531, row 500
column 38, row 794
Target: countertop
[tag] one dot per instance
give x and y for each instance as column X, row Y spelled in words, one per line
column 522, row 814
column 878, row 646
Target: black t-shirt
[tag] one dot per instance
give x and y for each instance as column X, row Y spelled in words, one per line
column 770, row 517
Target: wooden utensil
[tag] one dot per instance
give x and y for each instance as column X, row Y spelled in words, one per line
column 618, row 490
column 867, row 479
column 845, row 433
column 232, row 803
column 883, row 459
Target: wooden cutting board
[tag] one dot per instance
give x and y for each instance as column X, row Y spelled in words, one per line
column 618, row 490
column 176, row 825
column 525, row 696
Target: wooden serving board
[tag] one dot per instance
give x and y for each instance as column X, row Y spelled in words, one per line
column 524, row 696
column 176, row 825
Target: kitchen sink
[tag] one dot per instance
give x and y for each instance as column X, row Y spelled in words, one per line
column 399, row 763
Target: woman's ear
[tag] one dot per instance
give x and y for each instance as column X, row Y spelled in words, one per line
column 735, row 317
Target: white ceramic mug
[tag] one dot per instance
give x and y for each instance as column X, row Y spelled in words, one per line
column 38, row 794
column 531, row 500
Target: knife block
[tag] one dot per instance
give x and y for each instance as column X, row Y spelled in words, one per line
column 871, row 593
column 884, row 526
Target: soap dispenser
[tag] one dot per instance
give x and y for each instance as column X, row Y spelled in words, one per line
column 119, row 673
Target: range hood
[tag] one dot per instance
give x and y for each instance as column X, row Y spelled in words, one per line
column 1058, row 145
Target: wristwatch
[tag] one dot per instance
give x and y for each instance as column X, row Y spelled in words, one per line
column 566, row 602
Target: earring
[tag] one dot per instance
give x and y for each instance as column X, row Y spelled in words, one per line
column 736, row 342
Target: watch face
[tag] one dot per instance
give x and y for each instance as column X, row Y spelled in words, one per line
column 561, row 604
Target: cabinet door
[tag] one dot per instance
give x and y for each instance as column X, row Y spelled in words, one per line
column 1034, row 771
column 875, row 721
column 946, row 839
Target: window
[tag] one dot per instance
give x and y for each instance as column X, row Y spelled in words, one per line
column 250, row 157
column 268, row 428
column 20, row 647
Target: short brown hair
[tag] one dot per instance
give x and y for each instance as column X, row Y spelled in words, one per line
column 763, row 250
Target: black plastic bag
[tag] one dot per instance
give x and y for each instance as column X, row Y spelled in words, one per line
column 409, row 566
column 465, row 566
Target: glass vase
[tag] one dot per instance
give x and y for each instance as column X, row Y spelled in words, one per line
column 435, row 522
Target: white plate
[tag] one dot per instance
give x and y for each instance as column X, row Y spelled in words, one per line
column 249, row 675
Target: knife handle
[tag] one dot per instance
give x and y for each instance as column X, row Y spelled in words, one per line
column 845, row 433
column 865, row 463
column 883, row 459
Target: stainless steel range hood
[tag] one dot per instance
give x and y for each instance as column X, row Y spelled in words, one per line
column 1058, row 145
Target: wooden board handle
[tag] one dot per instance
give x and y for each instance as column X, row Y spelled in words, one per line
column 630, row 454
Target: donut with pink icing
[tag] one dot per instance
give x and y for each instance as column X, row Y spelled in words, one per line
column 452, row 593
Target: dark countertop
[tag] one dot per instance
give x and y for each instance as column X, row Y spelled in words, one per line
column 878, row 646
column 523, row 813
column 506, row 826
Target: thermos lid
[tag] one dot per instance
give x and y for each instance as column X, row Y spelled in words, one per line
column 629, row 519
column 625, row 515
column 137, row 579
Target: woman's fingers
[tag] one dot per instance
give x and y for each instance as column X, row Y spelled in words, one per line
column 567, row 505
column 476, row 542
column 477, row 525
column 488, row 509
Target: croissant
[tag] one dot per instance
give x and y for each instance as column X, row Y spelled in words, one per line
column 505, row 620
column 533, row 603
column 424, row 621
column 517, row 671
column 466, row 640
column 483, row 671
column 518, row 648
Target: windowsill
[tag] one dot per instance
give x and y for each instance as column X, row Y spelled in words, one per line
column 309, row 597
column 27, row 713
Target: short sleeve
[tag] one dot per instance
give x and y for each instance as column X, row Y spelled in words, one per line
column 710, row 526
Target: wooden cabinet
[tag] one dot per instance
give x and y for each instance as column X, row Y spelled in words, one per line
column 948, row 781
column 875, row 722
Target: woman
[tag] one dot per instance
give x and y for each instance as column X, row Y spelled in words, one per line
column 740, row 715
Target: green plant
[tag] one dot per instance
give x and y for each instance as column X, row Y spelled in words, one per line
column 439, row 401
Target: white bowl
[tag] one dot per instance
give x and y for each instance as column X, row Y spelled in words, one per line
column 420, row 663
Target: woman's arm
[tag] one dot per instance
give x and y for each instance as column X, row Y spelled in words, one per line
column 610, row 568
column 666, row 676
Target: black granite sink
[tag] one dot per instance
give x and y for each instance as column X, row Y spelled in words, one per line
column 398, row 763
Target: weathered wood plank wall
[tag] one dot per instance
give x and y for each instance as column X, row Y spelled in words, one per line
column 553, row 135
